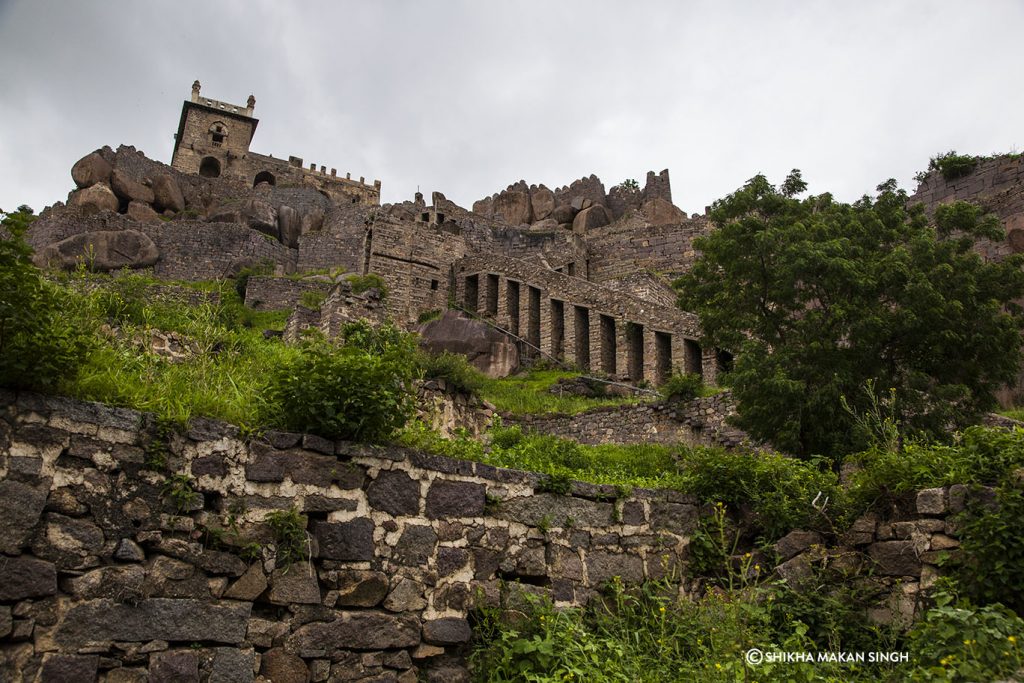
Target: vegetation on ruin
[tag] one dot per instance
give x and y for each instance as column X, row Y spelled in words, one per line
column 952, row 165
column 820, row 299
column 682, row 387
column 529, row 393
column 453, row 369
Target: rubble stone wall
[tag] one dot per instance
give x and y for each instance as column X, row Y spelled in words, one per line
column 130, row 552
column 279, row 293
column 701, row 421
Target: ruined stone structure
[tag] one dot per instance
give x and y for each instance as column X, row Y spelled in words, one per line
column 703, row 421
column 213, row 141
column 114, row 571
column 584, row 324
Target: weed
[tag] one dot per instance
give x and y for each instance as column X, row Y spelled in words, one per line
column 180, row 490
column 289, row 529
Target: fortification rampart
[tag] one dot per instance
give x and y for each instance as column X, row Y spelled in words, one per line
column 110, row 563
column 701, row 421
column 997, row 185
column 114, row 569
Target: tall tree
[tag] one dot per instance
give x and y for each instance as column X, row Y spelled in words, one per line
column 824, row 301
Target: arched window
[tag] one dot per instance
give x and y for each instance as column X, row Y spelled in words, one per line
column 209, row 167
column 264, row 177
column 218, row 134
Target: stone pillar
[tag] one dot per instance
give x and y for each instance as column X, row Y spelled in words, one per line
column 650, row 358
column 710, row 359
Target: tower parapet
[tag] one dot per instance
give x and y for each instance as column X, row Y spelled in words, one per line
column 213, row 140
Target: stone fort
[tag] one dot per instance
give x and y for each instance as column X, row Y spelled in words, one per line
column 102, row 578
column 578, row 274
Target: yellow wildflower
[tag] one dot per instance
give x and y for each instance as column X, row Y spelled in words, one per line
column 1012, row 639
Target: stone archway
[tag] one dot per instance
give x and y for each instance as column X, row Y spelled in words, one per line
column 209, row 167
column 264, row 177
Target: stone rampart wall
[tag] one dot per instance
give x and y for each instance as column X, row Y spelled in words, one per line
column 115, row 569
column 280, row 293
column 701, row 421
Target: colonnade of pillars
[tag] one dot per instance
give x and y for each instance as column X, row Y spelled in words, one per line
column 583, row 335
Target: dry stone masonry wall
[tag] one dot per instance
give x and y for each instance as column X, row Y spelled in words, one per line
column 701, row 421
column 113, row 569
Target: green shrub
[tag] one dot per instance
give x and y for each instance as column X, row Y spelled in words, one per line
column 958, row 641
column 341, row 392
column 42, row 338
column 363, row 283
column 685, row 387
column 427, row 316
column 980, row 456
column 454, row 369
column 991, row 567
column 382, row 339
column 312, row 298
column 775, row 493
column 952, row 165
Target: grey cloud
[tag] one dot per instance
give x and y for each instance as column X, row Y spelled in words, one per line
column 466, row 97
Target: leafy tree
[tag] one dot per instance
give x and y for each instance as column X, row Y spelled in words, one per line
column 39, row 347
column 819, row 297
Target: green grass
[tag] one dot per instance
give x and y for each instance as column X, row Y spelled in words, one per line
column 527, row 394
column 225, row 380
column 643, row 465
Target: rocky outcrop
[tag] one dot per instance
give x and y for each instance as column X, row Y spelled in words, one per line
column 102, row 251
column 91, row 169
column 486, row 349
column 94, row 198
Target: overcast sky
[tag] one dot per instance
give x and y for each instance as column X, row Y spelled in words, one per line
column 466, row 97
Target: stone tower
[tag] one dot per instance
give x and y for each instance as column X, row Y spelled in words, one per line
column 213, row 136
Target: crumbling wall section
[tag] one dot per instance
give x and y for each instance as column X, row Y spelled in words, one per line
column 703, row 421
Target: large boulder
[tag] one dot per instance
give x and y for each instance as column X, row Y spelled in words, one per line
column 661, row 212
column 289, row 226
column 486, row 348
column 129, row 189
column 514, row 206
column 95, row 198
column 166, row 194
column 261, row 216
column 102, row 250
column 90, row 169
column 143, row 213
column 312, row 221
column 563, row 213
column 543, row 202
column 590, row 218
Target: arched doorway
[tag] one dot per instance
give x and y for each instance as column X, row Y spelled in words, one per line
column 209, row 167
column 264, row 177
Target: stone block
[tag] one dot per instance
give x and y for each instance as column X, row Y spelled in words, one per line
column 26, row 577
column 795, row 542
column 416, row 545
column 232, row 665
column 895, row 558
column 603, row 566
column 347, row 541
column 447, row 499
column 154, row 619
column 679, row 518
column 359, row 588
column 394, row 492
column 932, row 502
column 21, row 506
column 554, row 510
column 174, row 667
column 363, row 630
column 250, row 585
column 296, row 584
column 280, row 666
column 447, row 631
